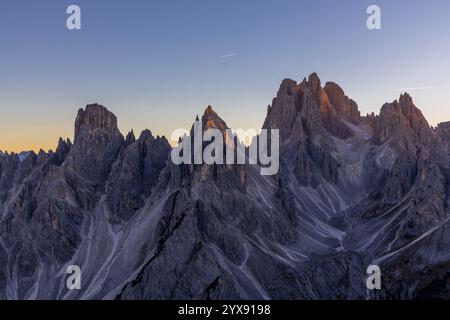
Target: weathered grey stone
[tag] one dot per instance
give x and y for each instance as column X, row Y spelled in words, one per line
column 351, row 191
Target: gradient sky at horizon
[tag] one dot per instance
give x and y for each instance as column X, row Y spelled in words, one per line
column 157, row 64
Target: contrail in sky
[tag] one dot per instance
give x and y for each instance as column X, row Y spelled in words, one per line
column 229, row 55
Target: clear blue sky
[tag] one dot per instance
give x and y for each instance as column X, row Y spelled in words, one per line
column 156, row 64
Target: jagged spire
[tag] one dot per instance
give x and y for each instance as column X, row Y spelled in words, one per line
column 130, row 137
column 209, row 110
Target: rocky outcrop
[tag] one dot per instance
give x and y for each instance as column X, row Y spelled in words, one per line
column 344, row 106
column 96, row 144
column 61, row 152
column 305, row 117
column 136, row 173
column 403, row 123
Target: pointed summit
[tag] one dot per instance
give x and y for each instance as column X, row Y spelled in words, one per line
column 342, row 104
column 406, row 100
column 314, row 86
column 131, row 138
column 405, row 108
column 62, row 151
column 401, row 119
column 209, row 110
column 211, row 120
column 146, row 135
column 314, row 83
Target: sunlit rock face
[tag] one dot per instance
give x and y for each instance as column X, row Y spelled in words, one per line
column 352, row 191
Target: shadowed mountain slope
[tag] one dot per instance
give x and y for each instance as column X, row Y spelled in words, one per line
column 351, row 191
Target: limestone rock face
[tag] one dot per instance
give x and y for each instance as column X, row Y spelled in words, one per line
column 352, row 191
column 404, row 123
column 306, row 118
column 136, row 173
column 96, row 145
column 343, row 105
column 211, row 120
column 62, row 151
column 443, row 130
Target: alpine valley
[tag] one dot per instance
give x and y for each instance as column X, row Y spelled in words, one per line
column 351, row 191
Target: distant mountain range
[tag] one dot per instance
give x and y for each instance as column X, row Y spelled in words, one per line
column 352, row 191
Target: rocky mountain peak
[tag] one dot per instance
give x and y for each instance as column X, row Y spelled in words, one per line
column 209, row 110
column 131, row 138
column 211, row 120
column 314, row 86
column 406, row 113
column 403, row 123
column 314, row 83
column 443, row 130
column 96, row 145
column 415, row 117
column 288, row 86
column 63, row 145
column 342, row 104
column 307, row 107
column 95, row 117
column 406, row 99
column 62, row 150
column 146, row 135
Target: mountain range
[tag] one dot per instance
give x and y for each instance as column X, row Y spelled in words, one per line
column 351, row 191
